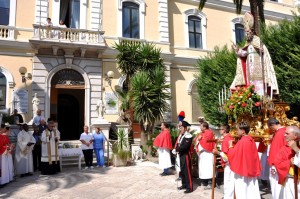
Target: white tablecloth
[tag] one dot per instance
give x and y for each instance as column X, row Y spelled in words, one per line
column 65, row 152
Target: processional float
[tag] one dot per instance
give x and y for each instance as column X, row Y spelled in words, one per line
column 254, row 95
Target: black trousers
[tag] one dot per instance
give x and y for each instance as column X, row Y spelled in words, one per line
column 186, row 174
column 88, row 157
column 37, row 155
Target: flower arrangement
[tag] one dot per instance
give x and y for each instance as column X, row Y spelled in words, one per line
column 244, row 101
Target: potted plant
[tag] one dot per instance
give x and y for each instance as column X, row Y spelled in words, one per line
column 121, row 152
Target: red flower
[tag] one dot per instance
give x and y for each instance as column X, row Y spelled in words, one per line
column 244, row 104
column 257, row 104
column 231, row 107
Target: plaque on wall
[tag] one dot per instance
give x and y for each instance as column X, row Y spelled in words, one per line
column 20, row 100
column 111, row 103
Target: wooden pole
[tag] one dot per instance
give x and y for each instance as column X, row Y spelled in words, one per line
column 213, row 179
column 296, row 181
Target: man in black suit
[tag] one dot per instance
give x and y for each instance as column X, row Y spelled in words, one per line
column 184, row 148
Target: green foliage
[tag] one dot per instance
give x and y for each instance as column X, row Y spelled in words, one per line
column 122, row 141
column 283, row 43
column 215, row 70
column 149, row 95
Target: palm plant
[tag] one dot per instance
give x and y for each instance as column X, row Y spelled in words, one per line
column 144, row 70
column 149, row 95
column 256, row 8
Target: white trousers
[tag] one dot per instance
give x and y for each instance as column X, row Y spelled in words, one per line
column 228, row 182
column 275, row 187
column 288, row 191
column 246, row 187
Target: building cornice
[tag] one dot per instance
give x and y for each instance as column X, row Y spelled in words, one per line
column 228, row 6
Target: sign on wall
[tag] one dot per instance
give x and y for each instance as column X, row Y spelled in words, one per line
column 111, row 103
column 20, row 100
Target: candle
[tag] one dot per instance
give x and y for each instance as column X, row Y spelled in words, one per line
column 222, row 97
column 219, row 98
column 271, row 93
column 225, row 93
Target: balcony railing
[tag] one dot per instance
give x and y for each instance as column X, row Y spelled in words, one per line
column 67, row 34
column 7, row 32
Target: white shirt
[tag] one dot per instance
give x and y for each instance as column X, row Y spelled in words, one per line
column 87, row 137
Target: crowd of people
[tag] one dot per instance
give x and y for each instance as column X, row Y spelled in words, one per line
column 26, row 152
column 243, row 167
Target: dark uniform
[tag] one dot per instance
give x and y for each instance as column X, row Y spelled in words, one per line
column 184, row 149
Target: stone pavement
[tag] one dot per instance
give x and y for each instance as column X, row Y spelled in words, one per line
column 139, row 181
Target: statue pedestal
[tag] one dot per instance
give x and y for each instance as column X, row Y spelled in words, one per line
column 104, row 125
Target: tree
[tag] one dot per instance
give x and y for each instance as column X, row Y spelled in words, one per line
column 215, row 70
column 283, row 42
column 256, row 8
column 149, row 95
column 144, row 70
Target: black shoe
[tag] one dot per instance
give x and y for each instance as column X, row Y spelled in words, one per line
column 188, row 191
column 22, row 175
column 164, row 174
column 182, row 187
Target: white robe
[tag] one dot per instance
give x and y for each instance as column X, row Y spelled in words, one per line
column 246, row 187
column 164, row 158
column 7, row 169
column 23, row 156
column 205, row 164
column 45, row 139
column 275, row 187
column 288, row 190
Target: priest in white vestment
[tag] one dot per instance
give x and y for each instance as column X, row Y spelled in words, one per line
column 50, row 159
column 23, row 156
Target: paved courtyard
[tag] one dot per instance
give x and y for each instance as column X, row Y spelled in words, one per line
column 139, row 181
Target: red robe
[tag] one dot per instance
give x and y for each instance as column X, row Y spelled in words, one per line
column 4, row 141
column 207, row 135
column 163, row 140
column 262, row 147
column 225, row 147
column 243, row 158
column 282, row 162
column 276, row 144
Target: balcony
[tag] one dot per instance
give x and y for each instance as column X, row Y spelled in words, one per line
column 67, row 39
column 7, row 32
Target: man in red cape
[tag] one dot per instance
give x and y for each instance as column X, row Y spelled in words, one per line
column 164, row 143
column 228, row 174
column 284, row 163
column 244, row 162
column 204, row 150
column 6, row 166
column 278, row 141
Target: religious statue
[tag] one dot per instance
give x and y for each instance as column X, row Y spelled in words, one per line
column 254, row 64
column 100, row 108
column 35, row 103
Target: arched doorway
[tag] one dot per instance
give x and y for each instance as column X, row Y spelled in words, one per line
column 67, row 103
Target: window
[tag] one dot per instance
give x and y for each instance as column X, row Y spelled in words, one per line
column 239, row 33
column 70, row 13
column 195, row 29
column 130, row 20
column 4, row 12
column 2, row 91
column 195, row 36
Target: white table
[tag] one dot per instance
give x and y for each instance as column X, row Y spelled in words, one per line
column 70, row 152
